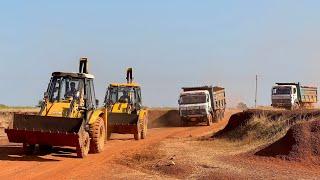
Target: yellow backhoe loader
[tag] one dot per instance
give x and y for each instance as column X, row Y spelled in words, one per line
column 68, row 117
column 126, row 114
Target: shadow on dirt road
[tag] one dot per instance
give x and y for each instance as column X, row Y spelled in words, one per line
column 15, row 153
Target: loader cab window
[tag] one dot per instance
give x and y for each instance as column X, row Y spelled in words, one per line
column 64, row 88
column 90, row 94
column 111, row 96
column 120, row 94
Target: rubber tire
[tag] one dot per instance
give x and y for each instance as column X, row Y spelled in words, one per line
column 28, row 149
column 84, row 145
column 137, row 135
column 295, row 107
column 144, row 128
column 97, row 132
column 109, row 132
column 183, row 122
column 209, row 120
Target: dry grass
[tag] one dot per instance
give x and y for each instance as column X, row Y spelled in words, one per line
column 260, row 129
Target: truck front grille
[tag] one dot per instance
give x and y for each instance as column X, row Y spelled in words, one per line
column 281, row 101
column 193, row 112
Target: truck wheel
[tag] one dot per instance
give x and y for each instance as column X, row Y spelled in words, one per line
column 98, row 136
column 144, row 128
column 183, row 122
column 220, row 115
column 295, row 106
column 84, row 145
column 28, row 149
column 209, row 120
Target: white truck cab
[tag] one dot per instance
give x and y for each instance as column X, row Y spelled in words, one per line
column 194, row 104
column 293, row 96
column 284, row 96
column 202, row 104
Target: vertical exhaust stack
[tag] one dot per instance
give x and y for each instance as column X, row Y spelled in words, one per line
column 83, row 66
column 129, row 75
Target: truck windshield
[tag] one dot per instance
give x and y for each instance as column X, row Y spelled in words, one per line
column 193, row 99
column 281, row 90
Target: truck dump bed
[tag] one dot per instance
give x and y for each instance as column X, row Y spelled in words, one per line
column 217, row 95
column 308, row 94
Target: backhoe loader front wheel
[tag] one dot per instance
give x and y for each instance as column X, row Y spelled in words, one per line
column 98, row 136
column 144, row 128
column 137, row 134
column 84, row 145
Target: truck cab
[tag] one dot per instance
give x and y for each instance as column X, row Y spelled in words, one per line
column 284, row 96
column 194, row 104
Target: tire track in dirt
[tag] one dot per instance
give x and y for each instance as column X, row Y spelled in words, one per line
column 62, row 163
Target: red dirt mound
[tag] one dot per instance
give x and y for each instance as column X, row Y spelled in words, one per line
column 301, row 143
column 5, row 120
column 242, row 118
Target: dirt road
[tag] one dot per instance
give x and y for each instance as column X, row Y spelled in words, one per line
column 62, row 163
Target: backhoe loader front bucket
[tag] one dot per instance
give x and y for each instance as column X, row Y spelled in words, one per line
column 123, row 123
column 46, row 130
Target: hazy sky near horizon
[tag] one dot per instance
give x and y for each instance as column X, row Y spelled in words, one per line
column 169, row 43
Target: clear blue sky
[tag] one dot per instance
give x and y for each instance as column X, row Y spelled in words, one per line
column 170, row 43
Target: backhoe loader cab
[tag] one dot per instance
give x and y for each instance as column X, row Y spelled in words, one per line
column 68, row 116
column 70, row 92
column 125, row 112
column 126, row 95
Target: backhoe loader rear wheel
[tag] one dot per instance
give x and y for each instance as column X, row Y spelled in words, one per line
column 84, row 145
column 28, row 149
column 98, row 136
column 144, row 128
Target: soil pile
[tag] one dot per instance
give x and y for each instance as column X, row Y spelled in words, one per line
column 301, row 143
column 241, row 119
column 163, row 118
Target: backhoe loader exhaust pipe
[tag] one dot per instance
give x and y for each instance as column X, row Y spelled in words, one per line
column 83, row 66
column 129, row 75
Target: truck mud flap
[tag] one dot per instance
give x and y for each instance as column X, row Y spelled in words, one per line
column 55, row 131
column 123, row 123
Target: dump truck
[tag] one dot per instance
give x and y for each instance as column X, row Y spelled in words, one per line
column 293, row 96
column 68, row 116
column 126, row 114
column 202, row 104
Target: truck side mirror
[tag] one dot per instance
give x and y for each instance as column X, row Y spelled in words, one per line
column 97, row 102
column 179, row 101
